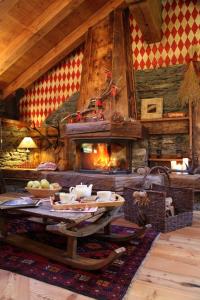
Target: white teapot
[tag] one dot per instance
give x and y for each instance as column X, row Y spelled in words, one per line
column 81, row 190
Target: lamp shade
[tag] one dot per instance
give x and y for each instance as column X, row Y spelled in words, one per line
column 27, row 143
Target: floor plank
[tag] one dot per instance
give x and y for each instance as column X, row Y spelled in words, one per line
column 171, row 271
column 154, row 291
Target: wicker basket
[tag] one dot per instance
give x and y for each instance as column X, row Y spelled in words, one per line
column 154, row 212
column 42, row 193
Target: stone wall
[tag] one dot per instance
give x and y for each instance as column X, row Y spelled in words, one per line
column 11, row 136
column 169, row 145
column 157, row 83
column 165, row 83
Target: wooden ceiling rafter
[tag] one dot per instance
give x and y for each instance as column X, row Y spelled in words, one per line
column 53, row 31
column 5, row 6
column 34, row 32
column 148, row 15
column 62, row 49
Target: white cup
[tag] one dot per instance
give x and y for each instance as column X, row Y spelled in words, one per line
column 67, row 198
column 104, row 195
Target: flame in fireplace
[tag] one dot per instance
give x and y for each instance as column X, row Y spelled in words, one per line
column 102, row 158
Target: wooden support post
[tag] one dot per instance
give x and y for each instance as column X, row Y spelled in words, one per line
column 71, row 246
column 191, row 130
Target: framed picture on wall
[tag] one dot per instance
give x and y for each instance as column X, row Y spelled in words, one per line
column 151, row 108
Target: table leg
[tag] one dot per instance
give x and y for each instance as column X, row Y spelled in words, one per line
column 71, row 246
column 107, row 229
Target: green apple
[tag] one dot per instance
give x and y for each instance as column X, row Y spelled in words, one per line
column 36, row 184
column 55, row 185
column 30, row 184
column 44, row 184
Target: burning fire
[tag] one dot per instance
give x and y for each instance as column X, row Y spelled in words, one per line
column 102, row 158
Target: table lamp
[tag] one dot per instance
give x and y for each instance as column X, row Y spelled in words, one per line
column 27, row 143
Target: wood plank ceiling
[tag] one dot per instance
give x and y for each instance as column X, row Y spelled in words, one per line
column 35, row 35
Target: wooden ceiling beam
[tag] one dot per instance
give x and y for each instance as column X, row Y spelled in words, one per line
column 52, row 16
column 148, row 15
column 5, row 6
column 62, row 49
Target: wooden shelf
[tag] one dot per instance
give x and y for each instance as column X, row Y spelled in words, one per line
column 164, row 119
column 167, row 125
column 165, row 159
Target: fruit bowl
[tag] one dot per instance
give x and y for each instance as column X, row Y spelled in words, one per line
column 42, row 193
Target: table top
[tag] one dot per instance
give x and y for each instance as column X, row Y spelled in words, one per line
column 44, row 210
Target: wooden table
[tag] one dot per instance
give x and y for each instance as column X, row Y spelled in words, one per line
column 69, row 225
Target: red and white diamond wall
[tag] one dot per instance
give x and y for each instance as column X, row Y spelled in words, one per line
column 180, row 42
column 52, row 89
column 181, row 36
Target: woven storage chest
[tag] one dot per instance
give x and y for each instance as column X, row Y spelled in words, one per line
column 154, row 212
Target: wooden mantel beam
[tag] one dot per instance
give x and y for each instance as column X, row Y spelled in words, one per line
column 52, row 16
column 62, row 49
column 148, row 15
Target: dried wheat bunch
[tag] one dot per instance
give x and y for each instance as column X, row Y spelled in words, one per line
column 189, row 91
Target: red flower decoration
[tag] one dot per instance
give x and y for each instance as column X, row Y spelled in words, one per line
column 99, row 103
column 78, row 116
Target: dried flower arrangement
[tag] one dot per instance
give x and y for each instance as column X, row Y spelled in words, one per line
column 95, row 109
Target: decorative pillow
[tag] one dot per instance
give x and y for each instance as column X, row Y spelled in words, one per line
column 47, row 166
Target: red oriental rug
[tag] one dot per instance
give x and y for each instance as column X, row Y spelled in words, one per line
column 110, row 283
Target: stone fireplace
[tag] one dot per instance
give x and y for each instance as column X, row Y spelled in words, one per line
column 105, row 126
column 103, row 146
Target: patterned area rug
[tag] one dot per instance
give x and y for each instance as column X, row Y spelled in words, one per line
column 110, row 283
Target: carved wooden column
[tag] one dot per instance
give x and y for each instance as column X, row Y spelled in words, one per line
column 108, row 47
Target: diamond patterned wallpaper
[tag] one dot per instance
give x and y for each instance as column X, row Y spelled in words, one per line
column 181, row 38
column 52, row 89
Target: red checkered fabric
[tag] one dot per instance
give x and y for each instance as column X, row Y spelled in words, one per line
column 181, row 35
column 52, row 89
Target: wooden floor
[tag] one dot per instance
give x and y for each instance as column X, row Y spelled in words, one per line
column 171, row 271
